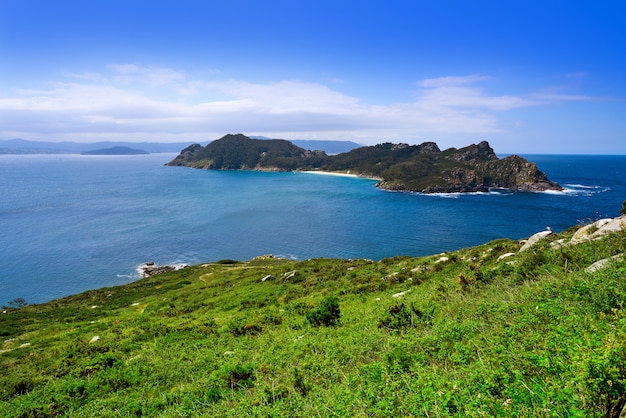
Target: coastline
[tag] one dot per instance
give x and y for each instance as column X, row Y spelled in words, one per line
column 339, row 174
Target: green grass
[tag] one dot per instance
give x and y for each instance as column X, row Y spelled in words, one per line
column 530, row 335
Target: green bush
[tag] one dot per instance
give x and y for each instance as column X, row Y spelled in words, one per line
column 401, row 316
column 299, row 384
column 213, row 395
column 240, row 326
column 240, row 376
column 327, row 313
column 399, row 360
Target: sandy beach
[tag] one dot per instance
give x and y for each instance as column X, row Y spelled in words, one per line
column 340, row 174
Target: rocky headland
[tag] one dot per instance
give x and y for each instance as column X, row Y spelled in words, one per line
column 420, row 168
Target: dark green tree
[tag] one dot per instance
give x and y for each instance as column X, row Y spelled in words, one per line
column 623, row 211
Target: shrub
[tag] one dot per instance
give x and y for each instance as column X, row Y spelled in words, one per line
column 299, row 384
column 20, row 387
column 327, row 313
column 240, row 376
column 209, row 327
column 301, row 308
column 228, row 261
column 399, row 360
column 272, row 317
column 240, row 326
column 401, row 316
column 213, row 395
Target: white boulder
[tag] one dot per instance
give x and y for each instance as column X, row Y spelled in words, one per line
column 598, row 229
column 535, row 239
column 505, row 255
column 604, row 263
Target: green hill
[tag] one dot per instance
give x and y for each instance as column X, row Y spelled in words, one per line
column 422, row 168
column 238, row 152
column 484, row 331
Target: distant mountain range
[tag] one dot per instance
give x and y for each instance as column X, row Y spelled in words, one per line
column 330, row 147
column 116, row 151
column 22, row 146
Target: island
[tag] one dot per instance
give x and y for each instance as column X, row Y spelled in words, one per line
column 420, row 168
column 115, row 151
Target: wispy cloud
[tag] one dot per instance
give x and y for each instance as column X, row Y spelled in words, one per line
column 451, row 92
column 452, row 81
column 142, row 102
column 153, row 76
column 552, row 97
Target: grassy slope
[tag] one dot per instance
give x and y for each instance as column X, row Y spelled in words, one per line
column 474, row 337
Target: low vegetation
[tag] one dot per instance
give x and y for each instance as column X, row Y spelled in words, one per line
column 460, row 334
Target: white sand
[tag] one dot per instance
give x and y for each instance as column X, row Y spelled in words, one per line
column 339, row 174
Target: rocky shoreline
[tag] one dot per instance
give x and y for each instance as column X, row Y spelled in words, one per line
column 151, row 269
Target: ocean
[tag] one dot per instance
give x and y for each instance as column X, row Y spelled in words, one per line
column 70, row 223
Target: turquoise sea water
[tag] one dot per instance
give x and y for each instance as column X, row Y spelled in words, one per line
column 69, row 223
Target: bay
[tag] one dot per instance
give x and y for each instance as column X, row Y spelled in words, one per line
column 69, row 223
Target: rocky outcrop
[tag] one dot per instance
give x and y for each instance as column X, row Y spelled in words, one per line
column 534, row 239
column 151, row 269
column 594, row 231
column 599, row 229
column 605, row 263
column 515, row 172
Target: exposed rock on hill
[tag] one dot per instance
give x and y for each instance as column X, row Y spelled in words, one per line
column 420, row 168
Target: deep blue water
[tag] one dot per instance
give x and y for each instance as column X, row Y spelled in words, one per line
column 69, row 223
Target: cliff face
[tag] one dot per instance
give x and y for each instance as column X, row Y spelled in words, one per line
column 515, row 172
column 421, row 168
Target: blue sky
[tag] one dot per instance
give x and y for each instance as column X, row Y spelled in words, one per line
column 527, row 76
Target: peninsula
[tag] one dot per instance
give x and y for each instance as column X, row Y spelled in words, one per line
column 420, row 168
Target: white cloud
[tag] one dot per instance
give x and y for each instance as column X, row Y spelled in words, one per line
column 87, row 76
column 548, row 97
column 459, row 91
column 153, row 76
column 153, row 103
column 452, row 81
column 289, row 97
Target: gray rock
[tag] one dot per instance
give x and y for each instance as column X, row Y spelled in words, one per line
column 599, row 229
column 604, row 263
column 535, row 239
column 268, row 277
column 290, row 274
column 505, row 255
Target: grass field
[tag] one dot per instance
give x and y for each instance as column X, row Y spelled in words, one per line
column 458, row 334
